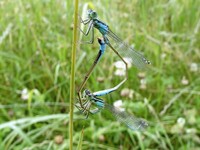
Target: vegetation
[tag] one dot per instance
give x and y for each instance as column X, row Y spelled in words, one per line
column 35, row 60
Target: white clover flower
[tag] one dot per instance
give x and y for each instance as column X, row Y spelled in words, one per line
column 193, row 67
column 24, row 94
column 143, row 81
column 163, row 55
column 127, row 93
column 120, row 72
column 118, row 104
column 181, row 122
column 120, row 64
column 141, row 75
column 184, row 81
column 179, row 126
column 121, row 67
column 143, row 84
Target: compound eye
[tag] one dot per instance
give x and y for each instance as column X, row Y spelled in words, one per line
column 94, row 14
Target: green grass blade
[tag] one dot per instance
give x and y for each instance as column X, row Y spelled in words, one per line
column 72, row 81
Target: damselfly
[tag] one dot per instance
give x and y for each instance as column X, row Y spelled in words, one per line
column 129, row 120
column 99, row 55
column 119, row 47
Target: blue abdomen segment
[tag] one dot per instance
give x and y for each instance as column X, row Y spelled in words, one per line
column 102, row 48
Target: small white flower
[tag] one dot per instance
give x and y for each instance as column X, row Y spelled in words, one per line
column 163, row 55
column 184, row 81
column 143, row 81
column 121, row 65
column 127, row 93
column 143, row 84
column 181, row 122
column 141, row 75
column 179, row 126
column 143, row 87
column 24, row 94
column 120, row 72
column 193, row 67
column 118, row 104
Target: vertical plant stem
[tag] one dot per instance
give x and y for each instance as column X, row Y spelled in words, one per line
column 72, row 81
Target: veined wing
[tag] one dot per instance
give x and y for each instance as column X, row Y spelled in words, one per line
column 131, row 121
column 126, row 51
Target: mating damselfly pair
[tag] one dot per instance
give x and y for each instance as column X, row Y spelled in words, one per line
column 121, row 49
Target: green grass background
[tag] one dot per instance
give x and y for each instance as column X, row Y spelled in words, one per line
column 35, row 51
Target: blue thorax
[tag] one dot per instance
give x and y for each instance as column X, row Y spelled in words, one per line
column 98, row 102
column 102, row 27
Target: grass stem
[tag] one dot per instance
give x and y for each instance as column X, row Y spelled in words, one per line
column 72, row 81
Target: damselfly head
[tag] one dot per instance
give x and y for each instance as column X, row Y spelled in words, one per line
column 87, row 92
column 92, row 14
column 86, row 95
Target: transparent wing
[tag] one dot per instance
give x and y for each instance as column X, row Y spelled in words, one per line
column 131, row 121
column 137, row 59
